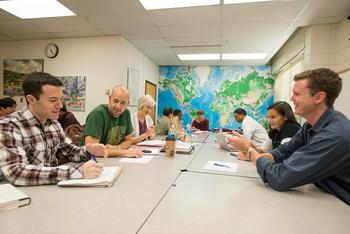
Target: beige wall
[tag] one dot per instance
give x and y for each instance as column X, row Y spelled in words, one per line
column 103, row 60
column 328, row 45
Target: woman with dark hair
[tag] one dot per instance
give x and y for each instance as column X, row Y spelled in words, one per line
column 282, row 122
column 163, row 124
column 7, row 106
column 70, row 125
column 282, row 127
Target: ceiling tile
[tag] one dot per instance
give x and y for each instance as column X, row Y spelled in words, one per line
column 61, row 24
column 256, row 28
column 191, row 30
column 190, row 41
column 184, row 16
column 93, row 7
column 150, row 43
column 18, row 26
column 120, row 20
column 273, row 10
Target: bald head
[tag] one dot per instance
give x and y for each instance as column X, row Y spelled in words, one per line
column 120, row 90
column 118, row 100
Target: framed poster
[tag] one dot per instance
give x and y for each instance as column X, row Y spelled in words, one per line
column 74, row 92
column 133, row 80
column 15, row 70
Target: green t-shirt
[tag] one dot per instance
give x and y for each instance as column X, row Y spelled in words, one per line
column 110, row 130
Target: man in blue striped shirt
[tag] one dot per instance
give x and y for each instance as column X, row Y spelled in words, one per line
column 320, row 152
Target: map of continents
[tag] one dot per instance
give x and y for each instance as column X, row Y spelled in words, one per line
column 218, row 90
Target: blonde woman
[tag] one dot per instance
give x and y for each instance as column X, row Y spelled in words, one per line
column 141, row 120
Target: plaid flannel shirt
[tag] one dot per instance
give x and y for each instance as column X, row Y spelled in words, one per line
column 29, row 151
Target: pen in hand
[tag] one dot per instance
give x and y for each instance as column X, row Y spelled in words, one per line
column 221, row 165
column 93, row 157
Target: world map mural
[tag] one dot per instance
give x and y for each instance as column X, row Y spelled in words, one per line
column 218, row 90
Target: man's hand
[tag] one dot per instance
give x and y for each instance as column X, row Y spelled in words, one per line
column 133, row 153
column 241, row 156
column 91, row 169
column 97, row 149
column 239, row 141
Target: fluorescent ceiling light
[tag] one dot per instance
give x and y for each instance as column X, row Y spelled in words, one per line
column 164, row 4
column 244, row 1
column 244, row 56
column 199, row 56
column 30, row 9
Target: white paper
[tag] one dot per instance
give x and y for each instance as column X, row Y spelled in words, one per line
column 152, row 143
column 142, row 160
column 221, row 166
column 199, row 132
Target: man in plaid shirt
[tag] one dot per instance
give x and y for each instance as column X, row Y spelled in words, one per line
column 32, row 140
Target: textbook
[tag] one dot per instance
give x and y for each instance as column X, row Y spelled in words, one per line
column 106, row 179
column 11, row 197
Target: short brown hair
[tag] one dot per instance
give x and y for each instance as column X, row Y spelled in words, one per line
column 200, row 112
column 322, row 79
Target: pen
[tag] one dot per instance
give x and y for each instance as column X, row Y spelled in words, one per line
column 93, row 157
column 221, row 165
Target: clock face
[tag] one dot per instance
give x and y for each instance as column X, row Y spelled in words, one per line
column 51, row 50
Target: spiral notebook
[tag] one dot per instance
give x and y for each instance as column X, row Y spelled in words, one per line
column 106, row 179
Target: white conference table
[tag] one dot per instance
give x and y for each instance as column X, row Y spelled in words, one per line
column 212, row 151
column 162, row 197
column 121, row 208
column 208, row 203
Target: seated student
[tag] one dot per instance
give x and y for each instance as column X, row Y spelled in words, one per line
column 320, row 152
column 31, row 140
column 200, row 123
column 7, row 106
column 110, row 124
column 251, row 128
column 176, row 120
column 283, row 126
column 142, row 122
column 163, row 124
column 70, row 125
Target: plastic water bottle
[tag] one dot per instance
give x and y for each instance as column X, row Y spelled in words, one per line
column 172, row 132
column 188, row 132
column 188, row 129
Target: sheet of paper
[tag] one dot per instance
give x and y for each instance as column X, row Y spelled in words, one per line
column 142, row 160
column 152, row 143
column 221, row 166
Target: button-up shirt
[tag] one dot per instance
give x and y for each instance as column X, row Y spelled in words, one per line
column 318, row 154
column 30, row 151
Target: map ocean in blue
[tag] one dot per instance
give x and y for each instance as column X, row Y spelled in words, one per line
column 204, row 96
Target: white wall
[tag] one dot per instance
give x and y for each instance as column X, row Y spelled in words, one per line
column 103, row 60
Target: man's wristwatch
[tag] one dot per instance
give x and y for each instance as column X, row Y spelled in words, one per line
column 248, row 151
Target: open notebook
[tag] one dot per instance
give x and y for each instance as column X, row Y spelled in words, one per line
column 106, row 179
column 11, row 197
